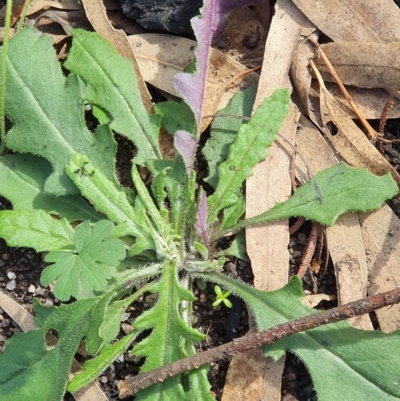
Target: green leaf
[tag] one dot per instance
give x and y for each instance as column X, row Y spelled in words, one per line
column 329, row 194
column 35, row 229
column 83, row 270
column 224, row 129
column 248, row 149
column 176, row 116
column 112, row 85
column 166, row 343
column 47, row 112
column 345, row 363
column 94, row 367
column 32, row 370
column 111, row 199
column 22, row 179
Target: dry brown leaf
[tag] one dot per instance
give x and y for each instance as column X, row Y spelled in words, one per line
column 364, row 65
column 313, row 300
column 162, row 56
column 38, row 5
column 96, row 14
column 26, row 322
column 370, row 102
column 348, row 140
column 67, row 19
column 381, row 235
column 356, row 20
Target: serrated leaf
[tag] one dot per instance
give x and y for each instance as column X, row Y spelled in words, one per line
column 22, row 179
column 345, row 363
column 329, row 194
column 35, row 229
column 111, row 199
column 48, row 119
column 32, row 370
column 248, row 149
column 85, row 266
column 94, row 367
column 166, row 343
column 112, row 85
column 224, row 129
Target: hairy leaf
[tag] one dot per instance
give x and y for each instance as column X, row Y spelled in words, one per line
column 248, row 149
column 112, row 85
column 111, row 199
column 30, row 368
column 94, row 367
column 22, row 179
column 47, row 112
column 345, row 363
column 175, row 116
column 201, row 220
column 186, row 145
column 83, row 270
column 35, row 229
column 169, row 331
column 329, row 194
column 224, row 129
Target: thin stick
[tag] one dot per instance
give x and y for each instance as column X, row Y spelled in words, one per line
column 310, row 248
column 134, row 384
column 372, row 134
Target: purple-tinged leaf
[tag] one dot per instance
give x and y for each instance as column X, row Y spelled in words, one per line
column 186, row 145
column 201, row 220
column 192, row 87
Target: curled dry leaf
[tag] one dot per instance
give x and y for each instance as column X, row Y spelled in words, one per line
column 365, row 65
column 356, row 20
column 348, row 140
column 161, row 56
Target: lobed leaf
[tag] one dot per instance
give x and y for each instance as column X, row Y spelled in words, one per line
column 112, row 85
column 83, row 270
column 48, row 119
column 248, row 149
column 166, row 343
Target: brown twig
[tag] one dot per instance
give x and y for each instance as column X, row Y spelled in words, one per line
column 310, row 248
column 366, row 305
column 372, row 134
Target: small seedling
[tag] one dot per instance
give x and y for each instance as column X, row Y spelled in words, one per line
column 222, row 296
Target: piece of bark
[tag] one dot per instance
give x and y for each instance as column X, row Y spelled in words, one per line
column 356, row 20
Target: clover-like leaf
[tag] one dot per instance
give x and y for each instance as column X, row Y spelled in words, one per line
column 81, row 271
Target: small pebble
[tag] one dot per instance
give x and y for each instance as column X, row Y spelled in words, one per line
column 104, row 379
column 40, row 291
column 3, row 337
column 125, row 317
column 11, row 275
column 49, row 302
column 126, row 328
column 10, row 286
column 32, row 289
